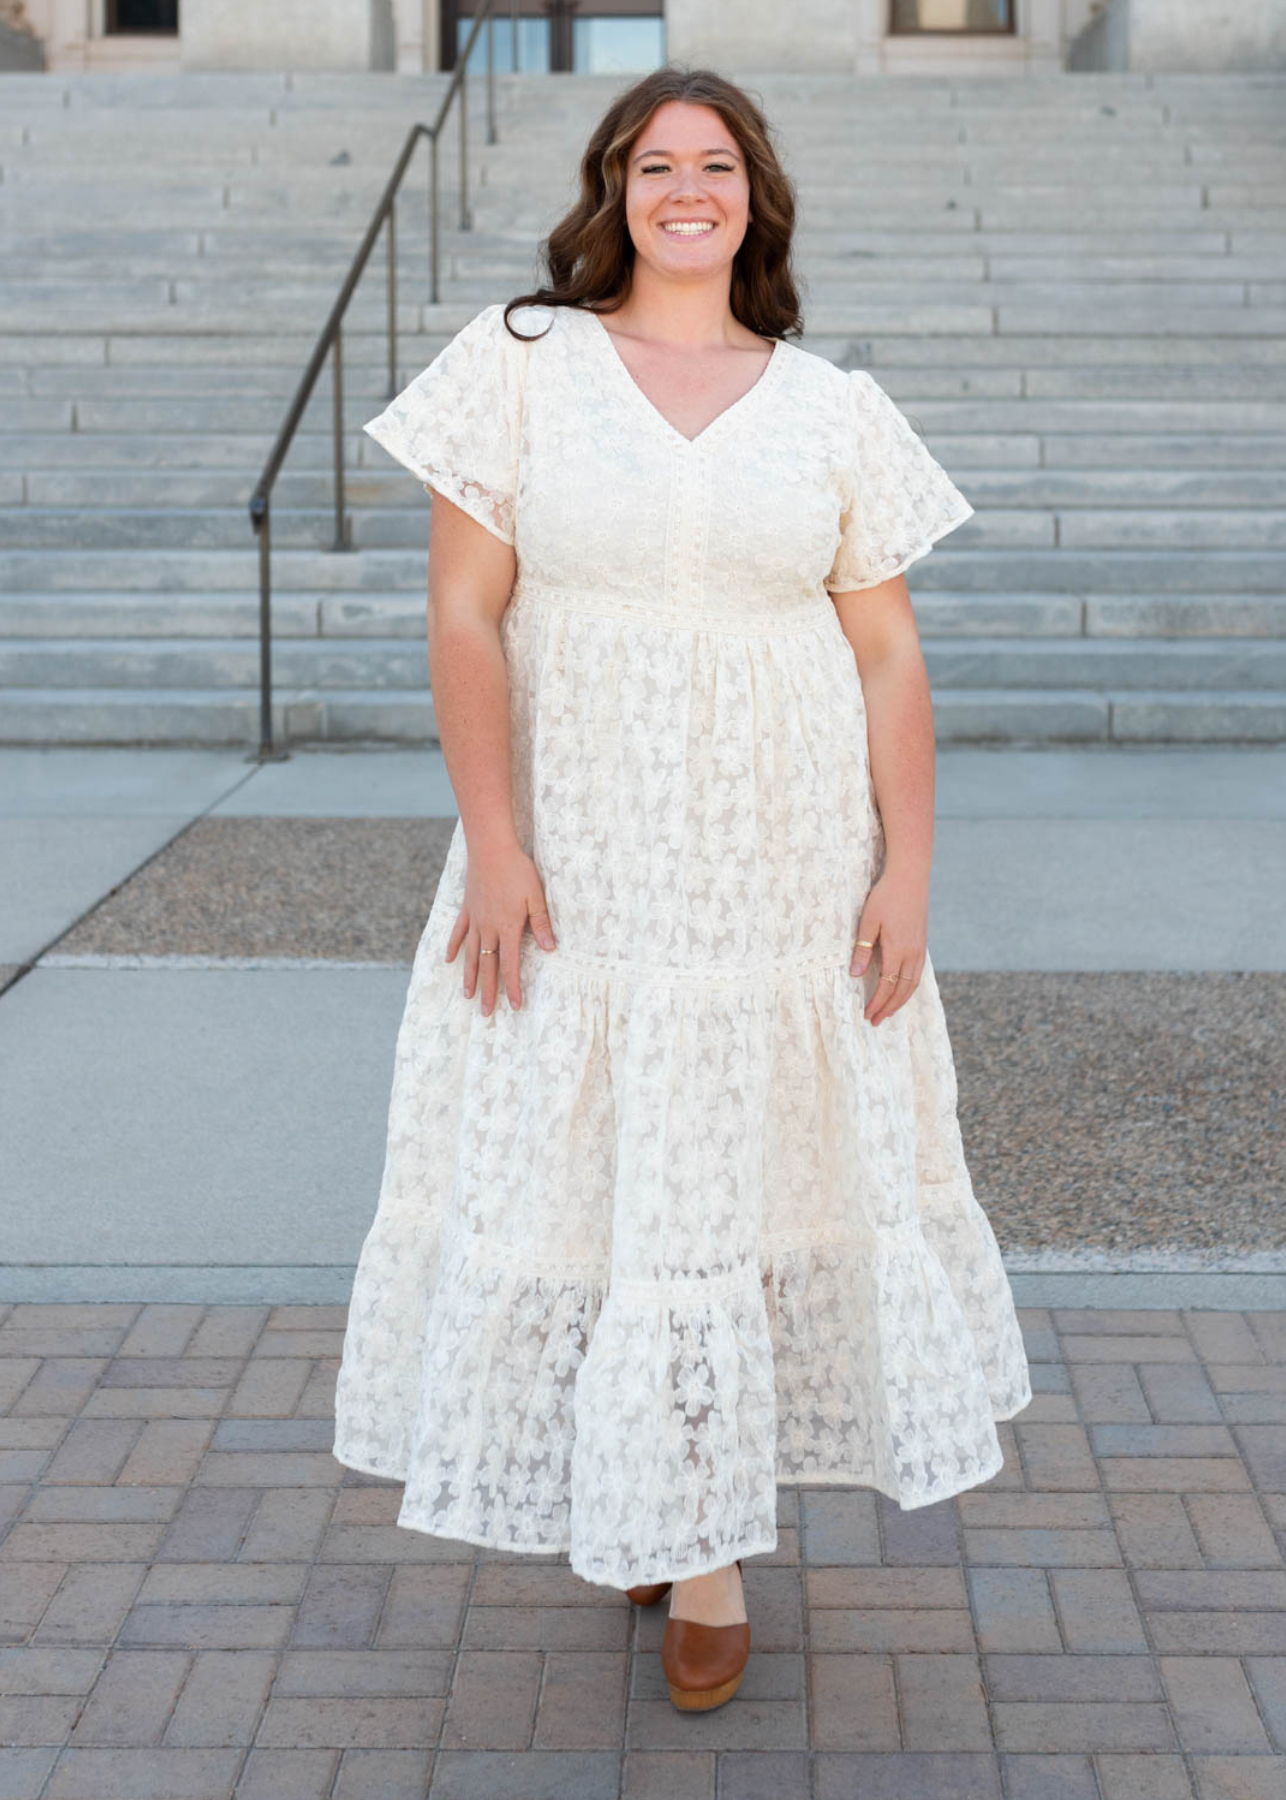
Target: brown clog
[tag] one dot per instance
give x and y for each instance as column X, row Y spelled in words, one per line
column 649, row 1593
column 704, row 1664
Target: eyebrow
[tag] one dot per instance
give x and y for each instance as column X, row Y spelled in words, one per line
column 719, row 150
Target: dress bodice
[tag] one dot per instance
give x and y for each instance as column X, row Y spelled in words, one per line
column 812, row 480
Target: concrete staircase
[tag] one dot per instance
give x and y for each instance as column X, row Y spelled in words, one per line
column 1077, row 287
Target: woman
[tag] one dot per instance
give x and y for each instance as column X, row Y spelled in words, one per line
column 674, row 1206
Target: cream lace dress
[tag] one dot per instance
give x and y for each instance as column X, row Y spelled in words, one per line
column 684, row 1225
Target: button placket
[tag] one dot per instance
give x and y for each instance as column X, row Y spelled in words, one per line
column 685, row 512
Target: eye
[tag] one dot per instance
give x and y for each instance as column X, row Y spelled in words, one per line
column 659, row 168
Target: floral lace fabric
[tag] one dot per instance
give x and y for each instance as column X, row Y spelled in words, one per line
column 684, row 1225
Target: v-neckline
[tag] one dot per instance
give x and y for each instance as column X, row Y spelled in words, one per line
column 755, row 390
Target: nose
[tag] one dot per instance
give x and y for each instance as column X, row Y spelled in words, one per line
column 687, row 184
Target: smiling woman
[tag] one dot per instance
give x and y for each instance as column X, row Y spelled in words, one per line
column 674, row 1207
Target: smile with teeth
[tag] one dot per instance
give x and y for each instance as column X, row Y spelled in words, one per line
column 688, row 227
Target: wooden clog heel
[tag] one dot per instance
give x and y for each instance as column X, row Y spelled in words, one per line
column 704, row 1664
column 649, row 1593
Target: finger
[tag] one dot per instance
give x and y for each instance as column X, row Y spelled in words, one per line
column 541, row 929
column 910, row 972
column 510, row 963
column 458, row 931
column 874, row 970
column 487, row 967
column 471, row 943
column 898, row 997
column 882, row 998
column 907, row 983
column 886, row 988
column 868, row 937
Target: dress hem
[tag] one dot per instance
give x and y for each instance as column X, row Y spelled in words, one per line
column 755, row 1547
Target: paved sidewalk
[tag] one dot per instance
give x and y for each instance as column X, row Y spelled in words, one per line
column 198, row 1601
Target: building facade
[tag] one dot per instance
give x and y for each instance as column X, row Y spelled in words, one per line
column 987, row 37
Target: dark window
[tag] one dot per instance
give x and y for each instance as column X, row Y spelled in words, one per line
column 142, row 15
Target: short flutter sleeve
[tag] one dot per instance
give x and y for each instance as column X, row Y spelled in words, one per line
column 898, row 499
column 457, row 424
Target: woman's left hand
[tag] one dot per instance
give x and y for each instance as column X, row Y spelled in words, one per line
column 895, row 919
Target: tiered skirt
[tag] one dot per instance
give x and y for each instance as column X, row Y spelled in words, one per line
column 684, row 1225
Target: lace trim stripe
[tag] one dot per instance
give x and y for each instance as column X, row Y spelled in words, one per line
column 475, row 1247
column 818, row 615
column 780, row 968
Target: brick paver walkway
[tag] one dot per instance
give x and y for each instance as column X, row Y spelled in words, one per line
column 199, row 1601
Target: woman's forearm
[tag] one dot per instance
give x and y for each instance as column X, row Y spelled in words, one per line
column 899, row 714
column 470, row 683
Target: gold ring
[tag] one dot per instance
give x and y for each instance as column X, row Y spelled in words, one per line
column 866, row 943
column 890, row 978
column 488, row 953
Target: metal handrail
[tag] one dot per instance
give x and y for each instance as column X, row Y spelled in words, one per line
column 330, row 338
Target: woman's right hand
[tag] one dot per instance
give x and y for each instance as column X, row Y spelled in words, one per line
column 502, row 890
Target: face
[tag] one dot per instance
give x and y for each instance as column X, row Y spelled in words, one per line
column 687, row 191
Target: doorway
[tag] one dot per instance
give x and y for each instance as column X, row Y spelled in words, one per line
column 581, row 37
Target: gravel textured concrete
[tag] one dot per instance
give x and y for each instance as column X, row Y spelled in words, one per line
column 1124, row 1112
column 1112, row 1113
column 348, row 889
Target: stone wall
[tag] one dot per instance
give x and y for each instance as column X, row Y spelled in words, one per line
column 1205, row 37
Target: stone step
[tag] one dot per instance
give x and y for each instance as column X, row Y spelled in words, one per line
column 989, row 571
column 35, row 449
column 857, row 289
column 940, row 418
column 982, row 318
column 1212, row 278
column 973, row 211
column 1113, row 96
column 1184, row 665
column 262, row 246
column 231, row 716
column 553, row 103
column 366, row 382
column 405, row 526
column 392, row 490
column 217, row 614
column 944, row 357
column 1131, row 469
column 343, row 162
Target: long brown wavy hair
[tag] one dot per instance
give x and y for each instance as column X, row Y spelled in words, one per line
column 589, row 254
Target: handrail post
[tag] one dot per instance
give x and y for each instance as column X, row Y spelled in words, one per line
column 513, row 35
column 491, row 80
column 464, row 148
column 392, row 300
column 433, row 218
column 337, row 382
column 266, row 751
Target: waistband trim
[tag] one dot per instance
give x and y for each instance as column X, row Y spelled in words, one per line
column 809, row 615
